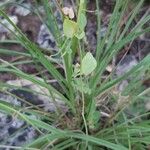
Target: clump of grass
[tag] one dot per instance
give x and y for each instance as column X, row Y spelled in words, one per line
column 83, row 88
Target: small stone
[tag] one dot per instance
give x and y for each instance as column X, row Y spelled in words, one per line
column 3, row 29
column 45, row 38
column 126, row 65
column 22, row 138
column 148, row 105
column 11, row 130
column 23, row 11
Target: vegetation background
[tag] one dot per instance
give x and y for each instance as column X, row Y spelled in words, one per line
column 76, row 92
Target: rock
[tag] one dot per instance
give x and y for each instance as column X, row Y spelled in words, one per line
column 124, row 66
column 3, row 29
column 148, row 105
column 16, row 132
column 9, row 99
column 12, row 132
column 45, row 39
column 41, row 98
column 23, row 11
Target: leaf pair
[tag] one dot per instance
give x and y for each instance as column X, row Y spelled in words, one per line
column 88, row 65
column 72, row 28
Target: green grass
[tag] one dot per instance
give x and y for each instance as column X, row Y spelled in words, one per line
column 81, row 88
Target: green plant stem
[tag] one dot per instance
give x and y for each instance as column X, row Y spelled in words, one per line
column 68, row 67
column 83, row 98
column 98, row 24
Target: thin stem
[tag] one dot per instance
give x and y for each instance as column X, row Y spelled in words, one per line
column 83, row 100
column 68, row 67
column 98, row 23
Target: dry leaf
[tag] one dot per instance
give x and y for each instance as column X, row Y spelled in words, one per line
column 71, row 13
column 109, row 68
column 68, row 12
column 65, row 10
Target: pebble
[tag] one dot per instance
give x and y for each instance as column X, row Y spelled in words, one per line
column 45, row 38
column 3, row 29
column 124, row 66
column 23, row 11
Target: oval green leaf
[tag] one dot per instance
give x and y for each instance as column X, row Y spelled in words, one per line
column 69, row 28
column 82, row 21
column 88, row 64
